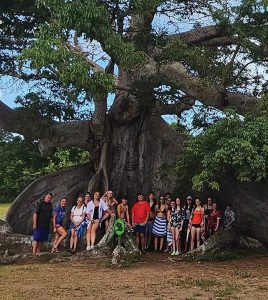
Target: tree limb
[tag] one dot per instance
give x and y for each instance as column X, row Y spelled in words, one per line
column 78, row 50
column 171, row 108
column 51, row 135
column 176, row 74
column 198, row 35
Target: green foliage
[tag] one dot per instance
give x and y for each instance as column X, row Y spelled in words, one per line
column 50, row 50
column 90, row 20
column 21, row 163
column 230, row 145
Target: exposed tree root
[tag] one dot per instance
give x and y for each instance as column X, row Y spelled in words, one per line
column 225, row 240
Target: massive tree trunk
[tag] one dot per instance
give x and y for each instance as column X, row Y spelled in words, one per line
column 138, row 154
column 135, row 157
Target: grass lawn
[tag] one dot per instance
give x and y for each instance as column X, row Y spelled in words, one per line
column 3, row 209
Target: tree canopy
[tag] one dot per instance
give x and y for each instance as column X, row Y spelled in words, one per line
column 92, row 60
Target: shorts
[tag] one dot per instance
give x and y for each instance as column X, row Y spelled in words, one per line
column 140, row 228
column 149, row 227
column 196, row 225
column 40, row 234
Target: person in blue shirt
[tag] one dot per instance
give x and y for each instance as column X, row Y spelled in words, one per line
column 58, row 229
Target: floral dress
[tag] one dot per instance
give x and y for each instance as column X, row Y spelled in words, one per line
column 176, row 217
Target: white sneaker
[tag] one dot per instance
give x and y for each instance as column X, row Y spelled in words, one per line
column 88, row 248
column 173, row 253
column 177, row 253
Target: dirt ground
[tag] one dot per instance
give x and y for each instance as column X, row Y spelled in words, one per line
column 157, row 276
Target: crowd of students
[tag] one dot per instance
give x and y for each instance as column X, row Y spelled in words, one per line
column 163, row 225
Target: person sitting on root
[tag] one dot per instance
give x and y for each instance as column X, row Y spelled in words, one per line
column 111, row 202
column 97, row 211
column 41, row 222
column 196, row 224
column 123, row 212
column 140, row 215
column 78, row 224
column 58, row 229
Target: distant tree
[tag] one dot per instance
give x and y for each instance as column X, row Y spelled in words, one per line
column 21, row 163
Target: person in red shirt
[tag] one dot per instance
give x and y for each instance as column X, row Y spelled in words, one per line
column 140, row 215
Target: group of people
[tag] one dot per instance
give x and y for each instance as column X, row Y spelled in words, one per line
column 162, row 225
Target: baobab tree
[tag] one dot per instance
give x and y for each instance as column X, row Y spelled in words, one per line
column 128, row 62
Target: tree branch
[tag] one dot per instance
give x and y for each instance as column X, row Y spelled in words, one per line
column 198, row 35
column 177, row 75
column 51, row 135
column 172, row 108
column 78, row 50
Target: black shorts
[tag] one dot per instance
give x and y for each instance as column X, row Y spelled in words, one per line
column 196, row 225
column 139, row 228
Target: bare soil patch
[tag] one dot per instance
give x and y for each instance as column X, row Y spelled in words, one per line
column 156, row 277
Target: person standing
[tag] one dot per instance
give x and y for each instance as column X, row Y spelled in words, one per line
column 160, row 224
column 140, row 215
column 87, row 199
column 196, row 224
column 78, row 223
column 229, row 216
column 175, row 223
column 207, row 211
column 149, row 225
column 213, row 220
column 58, row 228
column 188, row 209
column 41, row 222
column 97, row 211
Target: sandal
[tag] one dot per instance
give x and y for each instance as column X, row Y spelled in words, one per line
column 54, row 250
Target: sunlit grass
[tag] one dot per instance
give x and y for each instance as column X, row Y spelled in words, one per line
column 3, row 209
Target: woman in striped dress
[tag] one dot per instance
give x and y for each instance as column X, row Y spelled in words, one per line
column 160, row 224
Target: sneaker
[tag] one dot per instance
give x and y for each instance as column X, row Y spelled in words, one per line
column 88, row 248
column 173, row 253
column 177, row 253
